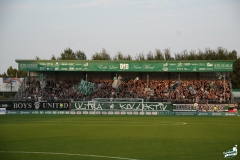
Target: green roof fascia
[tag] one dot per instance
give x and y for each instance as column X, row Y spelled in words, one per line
column 129, row 61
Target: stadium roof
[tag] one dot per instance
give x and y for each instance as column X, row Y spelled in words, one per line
column 127, row 66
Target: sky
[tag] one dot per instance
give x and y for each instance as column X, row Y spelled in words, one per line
column 30, row 28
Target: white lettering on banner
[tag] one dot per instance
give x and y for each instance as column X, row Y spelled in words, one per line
column 124, row 66
column 54, row 105
column 80, row 105
column 120, row 106
column 99, row 107
column 155, row 106
column 22, row 105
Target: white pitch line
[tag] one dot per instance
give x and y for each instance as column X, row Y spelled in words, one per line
column 68, row 154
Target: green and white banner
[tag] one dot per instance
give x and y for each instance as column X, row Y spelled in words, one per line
column 126, row 66
column 131, row 106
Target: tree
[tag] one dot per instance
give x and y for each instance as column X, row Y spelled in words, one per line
column 150, row 56
column 140, row 56
column 53, row 58
column 103, row 55
column 158, row 55
column 12, row 72
column 80, row 55
column 128, row 57
column 67, row 54
column 37, row 58
column 167, row 54
column 118, row 56
column 236, row 74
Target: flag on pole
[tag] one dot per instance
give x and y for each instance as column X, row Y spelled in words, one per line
column 86, row 87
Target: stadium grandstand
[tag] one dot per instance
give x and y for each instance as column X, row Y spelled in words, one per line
column 190, row 81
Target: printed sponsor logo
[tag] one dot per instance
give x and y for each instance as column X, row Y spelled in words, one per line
column 123, row 112
column 130, row 113
column 72, row 112
column 34, row 112
column 231, row 153
column 85, row 112
column 165, row 69
column 4, row 105
column 148, row 113
column 91, row 112
column 49, row 64
column 165, row 65
column 216, row 114
column 54, row 112
column 79, row 112
column 124, row 66
column 209, row 64
column 148, row 66
column 102, row 66
column 112, row 67
column 104, row 112
column 154, row 113
column 48, row 112
column 137, row 67
column 187, row 64
column 24, row 112
column 71, row 68
column 231, row 114
column 203, row 114
column 194, row 64
column 12, row 112
column 117, row 112
column 180, row 64
column 98, row 112
column 61, row 112
column 136, row 113
column 110, row 112
column 172, row 64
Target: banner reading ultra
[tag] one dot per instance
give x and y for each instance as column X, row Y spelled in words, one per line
column 151, row 106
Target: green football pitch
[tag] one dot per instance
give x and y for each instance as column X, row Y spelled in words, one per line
column 100, row 137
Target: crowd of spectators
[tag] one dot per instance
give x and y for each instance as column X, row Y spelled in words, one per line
column 152, row 90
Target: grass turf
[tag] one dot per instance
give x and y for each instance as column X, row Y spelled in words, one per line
column 102, row 137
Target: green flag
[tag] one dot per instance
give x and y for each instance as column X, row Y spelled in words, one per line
column 86, row 87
